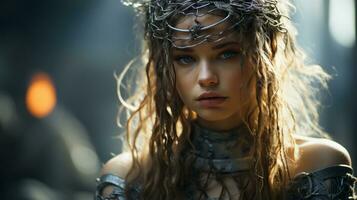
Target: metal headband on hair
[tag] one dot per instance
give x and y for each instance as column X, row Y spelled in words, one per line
column 160, row 15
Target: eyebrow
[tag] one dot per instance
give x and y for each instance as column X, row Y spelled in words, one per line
column 222, row 45
column 218, row 46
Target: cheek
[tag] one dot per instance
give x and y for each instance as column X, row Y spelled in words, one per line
column 242, row 82
column 183, row 86
column 233, row 80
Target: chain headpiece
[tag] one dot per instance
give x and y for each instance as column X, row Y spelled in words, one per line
column 161, row 14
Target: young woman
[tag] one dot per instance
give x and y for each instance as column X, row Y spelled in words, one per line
column 227, row 103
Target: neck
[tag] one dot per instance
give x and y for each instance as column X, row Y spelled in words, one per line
column 221, row 125
column 221, row 149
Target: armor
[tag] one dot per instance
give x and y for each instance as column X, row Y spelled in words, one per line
column 218, row 152
column 331, row 183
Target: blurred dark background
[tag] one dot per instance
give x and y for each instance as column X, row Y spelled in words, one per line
column 73, row 48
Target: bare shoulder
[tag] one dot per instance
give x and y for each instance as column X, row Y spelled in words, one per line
column 119, row 165
column 318, row 153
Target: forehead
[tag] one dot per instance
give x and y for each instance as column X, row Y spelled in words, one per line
column 191, row 30
column 187, row 21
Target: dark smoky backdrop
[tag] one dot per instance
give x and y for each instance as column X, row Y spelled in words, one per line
column 58, row 99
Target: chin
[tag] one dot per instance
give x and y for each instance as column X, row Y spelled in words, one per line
column 213, row 116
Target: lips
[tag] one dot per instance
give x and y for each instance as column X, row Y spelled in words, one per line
column 209, row 95
column 211, row 99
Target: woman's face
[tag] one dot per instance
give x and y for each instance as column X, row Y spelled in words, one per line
column 212, row 78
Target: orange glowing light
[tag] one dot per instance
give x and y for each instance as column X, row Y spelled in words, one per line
column 41, row 95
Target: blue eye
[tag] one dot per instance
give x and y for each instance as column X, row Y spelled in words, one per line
column 228, row 54
column 184, row 60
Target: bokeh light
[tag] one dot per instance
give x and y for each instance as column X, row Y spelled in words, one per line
column 41, row 95
column 342, row 23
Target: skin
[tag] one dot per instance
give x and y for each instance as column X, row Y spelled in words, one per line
column 216, row 67
column 315, row 154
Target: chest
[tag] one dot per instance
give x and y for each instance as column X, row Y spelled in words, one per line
column 213, row 189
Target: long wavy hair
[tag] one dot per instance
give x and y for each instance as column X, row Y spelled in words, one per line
column 158, row 123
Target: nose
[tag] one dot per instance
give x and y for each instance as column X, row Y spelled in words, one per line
column 207, row 77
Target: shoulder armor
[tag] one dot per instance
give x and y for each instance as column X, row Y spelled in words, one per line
column 110, row 180
column 120, row 190
column 331, row 183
